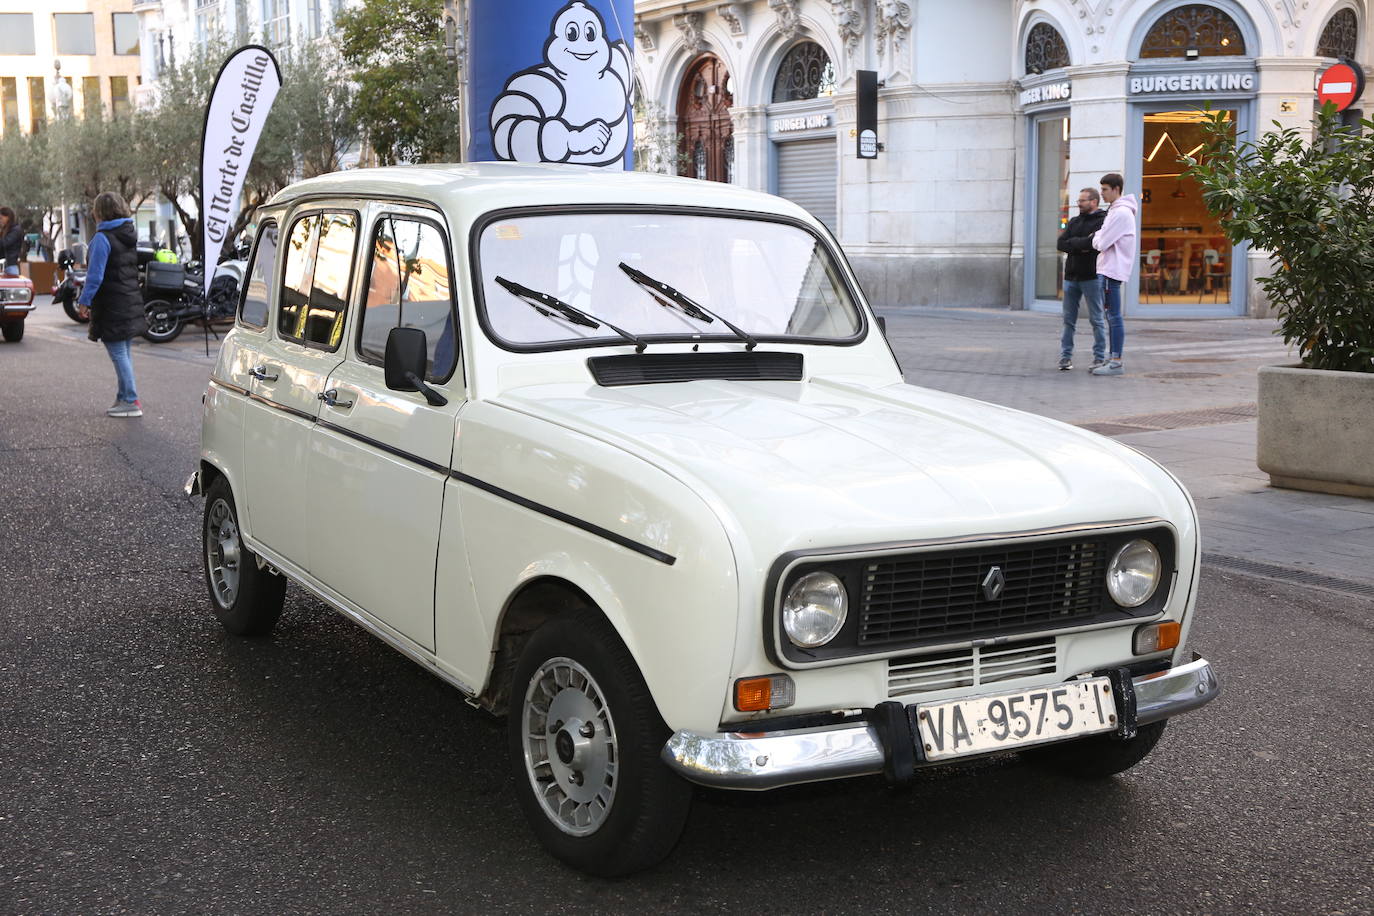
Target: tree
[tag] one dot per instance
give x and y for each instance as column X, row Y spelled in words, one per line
column 99, row 153
column 25, row 183
column 1310, row 204
column 310, row 126
column 407, row 98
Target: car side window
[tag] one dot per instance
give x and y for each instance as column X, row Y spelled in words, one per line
column 332, row 276
column 410, row 285
column 317, row 278
column 297, row 279
column 253, row 307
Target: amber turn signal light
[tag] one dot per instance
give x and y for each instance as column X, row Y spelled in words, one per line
column 760, row 694
column 1157, row 637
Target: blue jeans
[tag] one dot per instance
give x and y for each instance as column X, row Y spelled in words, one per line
column 1091, row 292
column 124, row 369
column 1112, row 304
column 11, row 270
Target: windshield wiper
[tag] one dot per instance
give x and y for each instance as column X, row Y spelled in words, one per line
column 551, row 307
column 668, row 297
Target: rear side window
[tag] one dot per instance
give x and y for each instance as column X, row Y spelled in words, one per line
column 317, row 277
column 410, row 285
column 253, row 308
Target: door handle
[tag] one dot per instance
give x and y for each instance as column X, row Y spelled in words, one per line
column 330, row 396
column 260, row 373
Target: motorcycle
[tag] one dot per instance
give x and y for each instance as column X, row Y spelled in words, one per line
column 182, row 300
column 68, row 291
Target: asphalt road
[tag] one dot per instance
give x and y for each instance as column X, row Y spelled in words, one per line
column 150, row 763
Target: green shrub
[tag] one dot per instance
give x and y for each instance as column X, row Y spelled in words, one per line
column 1310, row 205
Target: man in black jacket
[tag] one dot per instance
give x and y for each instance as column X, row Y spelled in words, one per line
column 1081, row 280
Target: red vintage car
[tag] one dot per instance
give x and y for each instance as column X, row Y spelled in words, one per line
column 16, row 301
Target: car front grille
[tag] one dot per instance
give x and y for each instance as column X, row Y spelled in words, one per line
column 925, row 597
column 918, row 674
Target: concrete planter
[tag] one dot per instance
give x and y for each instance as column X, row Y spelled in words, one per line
column 1316, row 429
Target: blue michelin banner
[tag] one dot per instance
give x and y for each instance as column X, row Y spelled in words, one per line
column 552, row 81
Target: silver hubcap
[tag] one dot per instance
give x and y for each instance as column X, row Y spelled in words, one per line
column 222, row 553
column 571, row 755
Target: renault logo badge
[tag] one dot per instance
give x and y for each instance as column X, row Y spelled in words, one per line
column 994, row 583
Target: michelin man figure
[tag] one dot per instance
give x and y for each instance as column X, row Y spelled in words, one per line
column 575, row 106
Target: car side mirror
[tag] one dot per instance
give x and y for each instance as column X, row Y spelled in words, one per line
column 407, row 355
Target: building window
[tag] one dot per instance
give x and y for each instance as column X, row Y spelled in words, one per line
column 276, row 22
column 16, row 33
column 1198, row 28
column 74, row 33
column 119, row 95
column 125, row 33
column 90, row 96
column 806, row 73
column 1045, row 49
column 1051, row 204
column 1339, row 37
column 9, row 103
column 38, row 105
column 207, row 21
column 312, row 18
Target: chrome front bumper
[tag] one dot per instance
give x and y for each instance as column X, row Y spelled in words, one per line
column 768, row 760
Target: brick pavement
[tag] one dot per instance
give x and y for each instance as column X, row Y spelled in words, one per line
column 1187, row 400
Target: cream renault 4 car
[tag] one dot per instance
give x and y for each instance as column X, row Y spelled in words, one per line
column 628, row 459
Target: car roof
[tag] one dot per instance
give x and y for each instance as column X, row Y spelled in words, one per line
column 480, row 187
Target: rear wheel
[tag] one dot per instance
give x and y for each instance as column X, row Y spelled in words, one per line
column 13, row 331
column 584, row 739
column 246, row 597
column 1099, row 756
column 163, row 325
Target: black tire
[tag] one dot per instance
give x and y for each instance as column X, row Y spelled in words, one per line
column 13, row 331
column 645, row 804
column 1100, row 756
column 69, row 306
column 251, row 606
column 163, row 325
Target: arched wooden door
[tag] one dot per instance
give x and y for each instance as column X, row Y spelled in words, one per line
column 703, row 118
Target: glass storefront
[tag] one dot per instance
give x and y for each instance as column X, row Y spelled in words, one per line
column 1185, row 258
column 1051, row 203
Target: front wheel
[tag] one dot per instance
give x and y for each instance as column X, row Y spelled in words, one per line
column 584, row 739
column 246, row 597
column 13, row 331
column 1099, row 756
column 79, row 314
column 163, row 323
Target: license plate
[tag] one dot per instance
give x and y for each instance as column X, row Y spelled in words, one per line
column 977, row 725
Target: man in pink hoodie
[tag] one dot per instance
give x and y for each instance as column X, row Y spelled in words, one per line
column 1115, row 244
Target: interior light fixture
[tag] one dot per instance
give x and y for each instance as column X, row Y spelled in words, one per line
column 1164, row 136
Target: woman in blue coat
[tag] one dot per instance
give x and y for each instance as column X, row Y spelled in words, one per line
column 113, row 296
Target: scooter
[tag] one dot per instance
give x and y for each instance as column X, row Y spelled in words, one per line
column 68, row 291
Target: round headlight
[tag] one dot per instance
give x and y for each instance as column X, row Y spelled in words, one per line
column 814, row 609
column 1134, row 573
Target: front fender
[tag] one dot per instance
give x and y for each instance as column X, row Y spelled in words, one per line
column 540, row 501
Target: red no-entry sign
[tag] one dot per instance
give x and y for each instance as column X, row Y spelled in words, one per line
column 1341, row 84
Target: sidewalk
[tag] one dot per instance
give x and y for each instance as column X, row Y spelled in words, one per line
column 1187, row 400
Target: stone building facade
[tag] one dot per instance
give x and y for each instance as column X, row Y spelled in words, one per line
column 992, row 114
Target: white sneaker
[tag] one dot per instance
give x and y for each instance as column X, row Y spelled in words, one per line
column 1112, row 367
column 125, row 409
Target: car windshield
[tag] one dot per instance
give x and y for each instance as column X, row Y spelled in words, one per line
column 767, row 279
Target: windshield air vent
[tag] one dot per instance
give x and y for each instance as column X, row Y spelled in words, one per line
column 658, row 368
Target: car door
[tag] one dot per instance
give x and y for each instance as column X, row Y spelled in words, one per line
column 291, row 373
column 379, row 459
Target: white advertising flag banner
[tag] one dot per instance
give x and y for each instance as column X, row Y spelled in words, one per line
column 242, row 96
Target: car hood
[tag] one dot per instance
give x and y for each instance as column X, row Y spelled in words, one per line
column 826, row 463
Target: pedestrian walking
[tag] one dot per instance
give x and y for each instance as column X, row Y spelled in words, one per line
column 1115, row 244
column 1081, row 281
column 11, row 241
column 113, row 296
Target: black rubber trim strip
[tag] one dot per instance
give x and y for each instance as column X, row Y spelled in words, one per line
column 228, row 386
column 650, row 552
column 383, row 447
column 644, row 549
column 294, row 411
